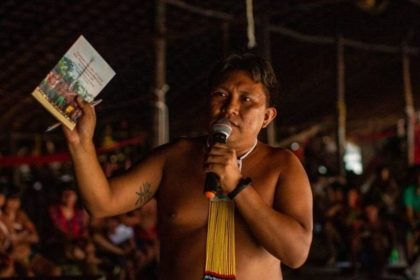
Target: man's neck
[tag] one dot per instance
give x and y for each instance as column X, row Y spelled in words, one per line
column 242, row 150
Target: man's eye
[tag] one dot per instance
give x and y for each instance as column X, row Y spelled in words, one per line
column 246, row 99
column 219, row 94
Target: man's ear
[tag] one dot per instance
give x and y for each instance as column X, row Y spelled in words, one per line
column 270, row 114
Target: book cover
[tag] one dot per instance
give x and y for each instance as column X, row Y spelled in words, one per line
column 80, row 72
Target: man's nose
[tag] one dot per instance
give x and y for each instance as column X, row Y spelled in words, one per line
column 231, row 107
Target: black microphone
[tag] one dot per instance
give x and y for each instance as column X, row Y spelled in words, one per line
column 220, row 132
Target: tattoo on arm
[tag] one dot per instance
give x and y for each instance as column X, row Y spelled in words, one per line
column 144, row 193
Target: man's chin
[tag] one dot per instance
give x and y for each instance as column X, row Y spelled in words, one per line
column 233, row 139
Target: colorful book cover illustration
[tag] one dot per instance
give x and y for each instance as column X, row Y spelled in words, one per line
column 80, row 72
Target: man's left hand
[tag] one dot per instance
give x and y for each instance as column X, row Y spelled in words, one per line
column 222, row 160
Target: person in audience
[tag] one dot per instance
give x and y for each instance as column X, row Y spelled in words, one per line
column 116, row 246
column 343, row 221
column 384, row 191
column 6, row 263
column 375, row 239
column 69, row 231
column 332, row 220
column 68, row 218
column 411, row 201
column 21, row 235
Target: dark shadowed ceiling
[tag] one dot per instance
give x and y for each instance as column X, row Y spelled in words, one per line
column 301, row 34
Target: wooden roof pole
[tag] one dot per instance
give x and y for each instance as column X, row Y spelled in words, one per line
column 341, row 107
column 409, row 106
column 161, row 118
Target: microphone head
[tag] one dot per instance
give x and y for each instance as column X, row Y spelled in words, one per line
column 222, row 126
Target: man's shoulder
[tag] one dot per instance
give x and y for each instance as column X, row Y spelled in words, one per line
column 278, row 153
column 187, row 142
column 190, row 141
column 281, row 159
column 181, row 145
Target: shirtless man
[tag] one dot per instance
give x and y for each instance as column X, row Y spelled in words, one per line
column 273, row 214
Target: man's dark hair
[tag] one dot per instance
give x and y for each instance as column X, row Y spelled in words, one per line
column 259, row 69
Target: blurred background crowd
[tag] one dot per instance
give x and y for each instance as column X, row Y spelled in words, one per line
column 45, row 232
column 365, row 223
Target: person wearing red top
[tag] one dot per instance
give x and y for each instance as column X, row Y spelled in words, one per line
column 68, row 218
column 69, row 231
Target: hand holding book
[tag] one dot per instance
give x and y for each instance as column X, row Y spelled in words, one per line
column 57, row 124
column 82, row 73
column 82, row 134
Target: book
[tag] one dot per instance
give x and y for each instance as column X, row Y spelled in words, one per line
column 80, row 72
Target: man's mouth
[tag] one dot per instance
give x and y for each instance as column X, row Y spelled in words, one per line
column 233, row 123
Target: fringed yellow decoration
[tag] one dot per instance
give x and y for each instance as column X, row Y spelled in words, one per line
column 220, row 247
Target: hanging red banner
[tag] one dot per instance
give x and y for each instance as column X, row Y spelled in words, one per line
column 11, row 161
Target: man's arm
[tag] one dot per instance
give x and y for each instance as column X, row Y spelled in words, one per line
column 118, row 195
column 284, row 230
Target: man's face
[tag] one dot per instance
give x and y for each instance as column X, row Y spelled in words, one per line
column 244, row 103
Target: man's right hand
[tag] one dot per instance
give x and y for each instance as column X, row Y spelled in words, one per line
column 85, row 127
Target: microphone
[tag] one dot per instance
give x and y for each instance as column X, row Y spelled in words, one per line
column 220, row 132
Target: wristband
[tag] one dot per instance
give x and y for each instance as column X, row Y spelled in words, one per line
column 243, row 183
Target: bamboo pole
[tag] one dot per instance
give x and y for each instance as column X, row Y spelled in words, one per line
column 341, row 106
column 161, row 119
column 409, row 106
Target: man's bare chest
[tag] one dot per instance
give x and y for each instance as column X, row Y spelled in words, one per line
column 181, row 200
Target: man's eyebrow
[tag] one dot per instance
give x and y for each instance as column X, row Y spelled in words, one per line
column 220, row 87
column 248, row 90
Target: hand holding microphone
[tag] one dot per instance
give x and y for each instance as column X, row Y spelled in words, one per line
column 220, row 132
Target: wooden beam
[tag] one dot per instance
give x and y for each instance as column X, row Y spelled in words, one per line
column 409, row 106
column 341, row 106
column 160, row 126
